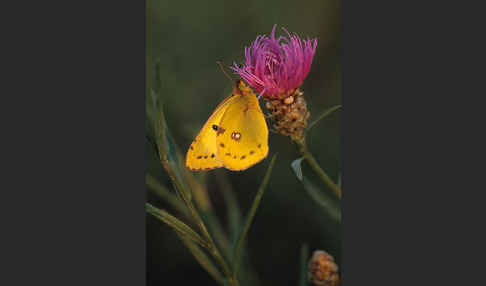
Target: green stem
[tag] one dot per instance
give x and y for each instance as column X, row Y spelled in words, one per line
column 203, row 260
column 214, row 249
column 161, row 191
column 304, row 257
column 202, row 227
column 200, row 223
column 249, row 219
column 315, row 166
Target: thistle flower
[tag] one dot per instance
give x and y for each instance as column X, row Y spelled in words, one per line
column 322, row 271
column 275, row 68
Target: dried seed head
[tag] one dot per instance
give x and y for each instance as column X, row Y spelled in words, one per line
column 289, row 100
column 289, row 115
column 322, row 271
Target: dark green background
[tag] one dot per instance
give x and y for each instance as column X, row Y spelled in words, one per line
column 187, row 38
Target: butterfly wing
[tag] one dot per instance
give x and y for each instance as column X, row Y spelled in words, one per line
column 245, row 139
column 203, row 154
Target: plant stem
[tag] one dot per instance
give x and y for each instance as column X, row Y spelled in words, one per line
column 249, row 219
column 214, row 249
column 203, row 260
column 304, row 257
column 200, row 224
column 315, row 166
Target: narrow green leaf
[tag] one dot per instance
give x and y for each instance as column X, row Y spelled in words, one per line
column 249, row 219
column 323, row 115
column 317, row 169
column 207, row 214
column 317, row 195
column 203, row 259
column 163, row 193
column 322, row 199
column 170, row 159
column 233, row 209
column 217, row 232
column 235, row 221
column 304, row 257
column 166, row 146
column 180, row 227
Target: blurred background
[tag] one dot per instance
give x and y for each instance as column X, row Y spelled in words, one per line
column 187, row 38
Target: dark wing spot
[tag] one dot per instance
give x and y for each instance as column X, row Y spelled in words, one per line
column 242, row 157
column 222, row 145
column 220, row 131
column 199, row 157
column 252, row 152
column 212, row 155
column 234, row 157
column 259, row 145
column 192, row 148
column 205, row 157
column 228, row 154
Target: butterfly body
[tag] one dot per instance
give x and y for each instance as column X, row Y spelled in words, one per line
column 234, row 137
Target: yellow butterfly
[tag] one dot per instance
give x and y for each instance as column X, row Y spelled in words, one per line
column 234, row 137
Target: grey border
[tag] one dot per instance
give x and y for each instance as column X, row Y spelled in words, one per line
column 77, row 213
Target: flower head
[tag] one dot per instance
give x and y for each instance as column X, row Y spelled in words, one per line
column 322, row 270
column 275, row 67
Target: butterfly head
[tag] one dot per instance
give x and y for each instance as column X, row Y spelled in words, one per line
column 241, row 88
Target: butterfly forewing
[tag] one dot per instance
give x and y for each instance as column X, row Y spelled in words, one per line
column 203, row 154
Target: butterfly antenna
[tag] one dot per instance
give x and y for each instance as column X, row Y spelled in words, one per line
column 222, row 69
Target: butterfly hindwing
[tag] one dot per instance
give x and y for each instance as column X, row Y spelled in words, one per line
column 245, row 139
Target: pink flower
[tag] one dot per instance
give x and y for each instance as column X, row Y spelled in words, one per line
column 275, row 67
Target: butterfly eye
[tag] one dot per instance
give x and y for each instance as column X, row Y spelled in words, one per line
column 215, row 127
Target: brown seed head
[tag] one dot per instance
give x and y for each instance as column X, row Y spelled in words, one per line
column 322, row 271
column 289, row 100
column 289, row 115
